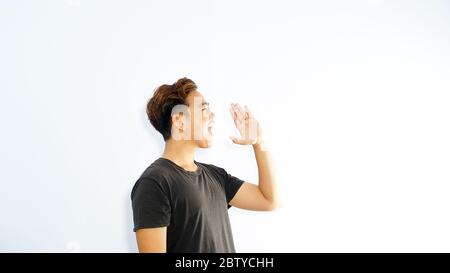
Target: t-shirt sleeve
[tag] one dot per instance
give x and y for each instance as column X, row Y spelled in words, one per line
column 151, row 205
column 231, row 184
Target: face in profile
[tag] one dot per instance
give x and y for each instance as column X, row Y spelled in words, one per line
column 194, row 122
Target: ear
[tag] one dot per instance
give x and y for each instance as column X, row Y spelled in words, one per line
column 178, row 121
column 180, row 126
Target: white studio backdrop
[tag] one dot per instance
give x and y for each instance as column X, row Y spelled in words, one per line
column 354, row 96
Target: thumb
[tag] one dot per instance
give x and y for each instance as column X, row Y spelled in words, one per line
column 235, row 140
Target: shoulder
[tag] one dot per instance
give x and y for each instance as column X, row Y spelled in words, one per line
column 214, row 169
column 209, row 166
column 154, row 176
column 157, row 171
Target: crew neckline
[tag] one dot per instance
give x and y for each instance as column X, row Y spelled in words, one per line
column 196, row 172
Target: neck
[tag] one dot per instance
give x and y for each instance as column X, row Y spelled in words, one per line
column 180, row 152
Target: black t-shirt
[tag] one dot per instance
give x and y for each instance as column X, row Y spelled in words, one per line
column 192, row 204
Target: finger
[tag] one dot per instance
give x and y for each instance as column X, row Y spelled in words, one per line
column 248, row 111
column 234, row 116
column 239, row 120
column 233, row 110
column 237, row 141
column 238, row 111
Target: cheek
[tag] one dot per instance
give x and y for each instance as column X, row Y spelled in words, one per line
column 200, row 129
column 205, row 116
column 205, row 119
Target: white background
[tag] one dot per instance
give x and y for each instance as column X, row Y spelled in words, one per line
column 353, row 94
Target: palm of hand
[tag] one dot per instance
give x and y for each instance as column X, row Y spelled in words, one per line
column 246, row 124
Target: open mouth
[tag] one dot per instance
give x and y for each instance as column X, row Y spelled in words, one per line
column 210, row 127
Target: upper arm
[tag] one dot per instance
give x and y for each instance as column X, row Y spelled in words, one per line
column 151, row 205
column 250, row 197
column 152, row 240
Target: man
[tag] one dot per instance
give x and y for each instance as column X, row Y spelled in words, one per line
column 181, row 205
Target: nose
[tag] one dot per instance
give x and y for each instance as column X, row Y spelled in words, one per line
column 212, row 115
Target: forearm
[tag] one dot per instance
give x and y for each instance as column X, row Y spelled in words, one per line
column 266, row 173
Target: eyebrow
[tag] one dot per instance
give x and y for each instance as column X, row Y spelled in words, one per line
column 205, row 103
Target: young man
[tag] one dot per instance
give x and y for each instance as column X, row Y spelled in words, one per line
column 181, row 205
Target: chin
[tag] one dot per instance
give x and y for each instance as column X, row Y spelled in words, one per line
column 205, row 143
column 207, row 138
